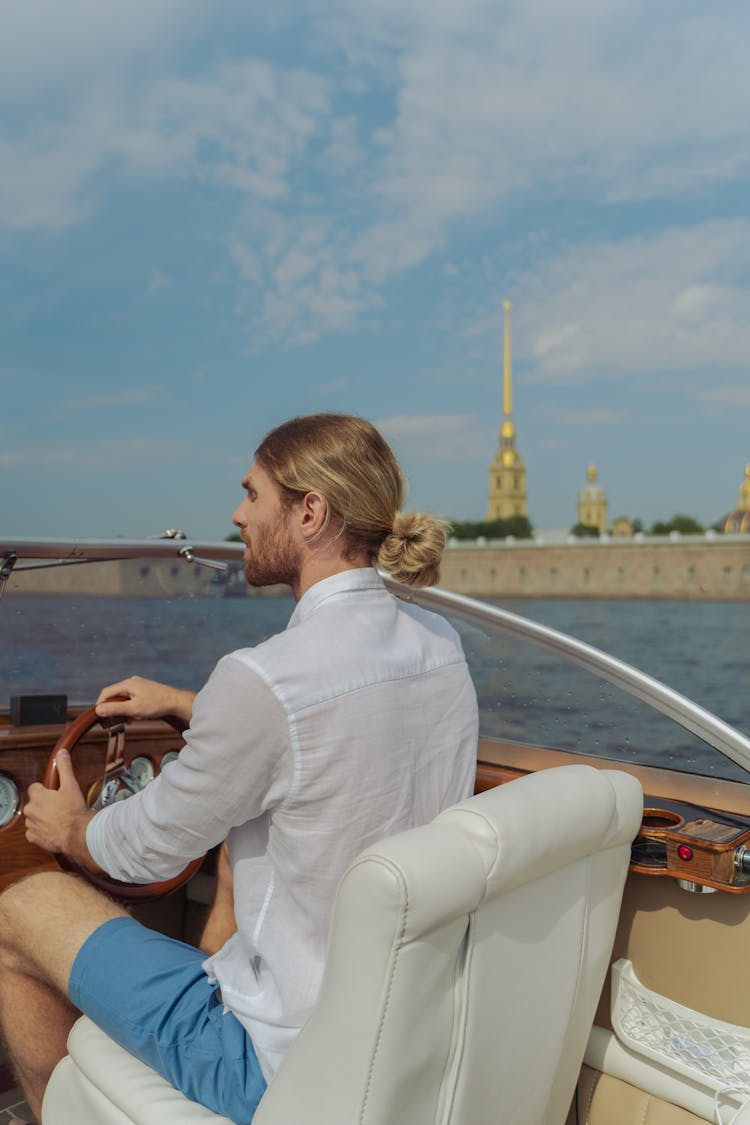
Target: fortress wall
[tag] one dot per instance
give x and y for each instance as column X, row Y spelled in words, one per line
column 119, row 578
column 687, row 568
column 696, row 568
column 138, row 578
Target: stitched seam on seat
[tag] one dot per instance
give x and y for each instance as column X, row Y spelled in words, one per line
column 384, row 1013
column 454, row 1063
column 589, row 1101
column 582, row 950
column 487, row 822
column 646, row 1108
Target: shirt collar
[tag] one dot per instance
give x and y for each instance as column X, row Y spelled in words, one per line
column 348, row 581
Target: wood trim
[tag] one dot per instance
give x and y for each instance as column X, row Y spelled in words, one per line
column 683, row 839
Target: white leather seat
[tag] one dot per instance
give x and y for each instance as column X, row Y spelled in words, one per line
column 464, row 966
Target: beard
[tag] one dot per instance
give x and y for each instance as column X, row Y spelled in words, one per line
column 274, row 559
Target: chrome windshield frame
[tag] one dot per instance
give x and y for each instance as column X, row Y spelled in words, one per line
column 675, row 706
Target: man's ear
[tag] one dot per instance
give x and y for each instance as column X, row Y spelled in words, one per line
column 313, row 512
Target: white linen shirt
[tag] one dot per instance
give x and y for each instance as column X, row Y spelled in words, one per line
column 358, row 721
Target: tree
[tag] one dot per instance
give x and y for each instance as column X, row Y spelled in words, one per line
column 684, row 525
column 585, row 531
column 517, row 526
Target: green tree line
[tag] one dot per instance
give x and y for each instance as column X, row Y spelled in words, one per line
column 517, row 526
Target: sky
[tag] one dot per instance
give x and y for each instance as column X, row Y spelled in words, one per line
column 216, row 215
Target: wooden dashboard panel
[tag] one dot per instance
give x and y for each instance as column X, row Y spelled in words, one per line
column 682, row 838
column 24, row 753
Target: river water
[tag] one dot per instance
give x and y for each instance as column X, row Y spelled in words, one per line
column 76, row 645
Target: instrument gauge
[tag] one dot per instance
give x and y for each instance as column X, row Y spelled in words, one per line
column 141, row 769
column 170, row 756
column 9, row 799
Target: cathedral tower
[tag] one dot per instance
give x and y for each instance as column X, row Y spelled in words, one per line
column 738, row 521
column 592, row 503
column 507, row 471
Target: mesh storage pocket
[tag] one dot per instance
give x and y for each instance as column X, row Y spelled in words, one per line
column 709, row 1051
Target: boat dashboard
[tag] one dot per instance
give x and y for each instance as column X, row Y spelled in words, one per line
column 703, row 846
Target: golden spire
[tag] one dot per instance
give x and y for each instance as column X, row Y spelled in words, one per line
column 507, row 389
column 507, row 471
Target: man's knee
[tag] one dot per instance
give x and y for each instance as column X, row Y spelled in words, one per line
column 34, row 892
column 44, row 920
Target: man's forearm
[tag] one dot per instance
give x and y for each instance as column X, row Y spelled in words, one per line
column 76, row 847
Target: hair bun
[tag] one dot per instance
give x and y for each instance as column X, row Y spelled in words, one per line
column 411, row 553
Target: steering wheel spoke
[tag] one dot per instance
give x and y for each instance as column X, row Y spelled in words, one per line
column 116, row 783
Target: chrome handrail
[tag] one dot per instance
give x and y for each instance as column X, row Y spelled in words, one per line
column 109, row 550
column 683, row 711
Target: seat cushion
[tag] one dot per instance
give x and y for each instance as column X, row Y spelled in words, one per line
column 99, row 1081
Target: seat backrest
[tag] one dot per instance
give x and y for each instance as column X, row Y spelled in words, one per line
column 465, row 962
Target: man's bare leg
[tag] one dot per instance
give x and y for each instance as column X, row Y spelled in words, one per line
column 221, row 922
column 44, row 921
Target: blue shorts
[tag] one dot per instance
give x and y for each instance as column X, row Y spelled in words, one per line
column 149, row 993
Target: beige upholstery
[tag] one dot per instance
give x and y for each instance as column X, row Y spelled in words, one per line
column 464, row 967
column 604, row 1100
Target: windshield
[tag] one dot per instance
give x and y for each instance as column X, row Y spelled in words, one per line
column 72, row 629
column 534, row 696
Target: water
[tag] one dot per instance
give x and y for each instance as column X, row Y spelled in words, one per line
column 76, row 645
column 696, row 648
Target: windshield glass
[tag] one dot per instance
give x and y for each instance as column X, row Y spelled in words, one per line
column 72, row 629
column 532, row 696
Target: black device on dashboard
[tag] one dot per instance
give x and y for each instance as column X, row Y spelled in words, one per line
column 38, row 710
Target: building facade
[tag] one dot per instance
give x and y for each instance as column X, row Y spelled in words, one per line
column 592, row 503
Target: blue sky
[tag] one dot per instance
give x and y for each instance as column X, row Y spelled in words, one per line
column 216, row 215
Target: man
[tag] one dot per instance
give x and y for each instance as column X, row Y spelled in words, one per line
column 358, row 721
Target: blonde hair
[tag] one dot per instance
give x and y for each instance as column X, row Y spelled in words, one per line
column 353, row 467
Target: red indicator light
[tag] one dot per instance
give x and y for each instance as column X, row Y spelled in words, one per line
column 684, row 852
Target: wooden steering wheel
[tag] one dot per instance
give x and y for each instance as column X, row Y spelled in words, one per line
column 69, row 739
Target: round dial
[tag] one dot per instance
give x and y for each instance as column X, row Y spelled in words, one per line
column 9, row 799
column 170, row 756
column 141, row 770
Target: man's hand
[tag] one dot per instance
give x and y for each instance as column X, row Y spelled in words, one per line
column 56, row 819
column 144, row 699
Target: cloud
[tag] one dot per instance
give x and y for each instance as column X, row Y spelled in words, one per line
column 48, row 47
column 556, row 444
column 435, row 437
column 112, row 455
column 408, row 121
column 494, row 100
column 649, row 306
column 240, row 126
column 158, row 281
column 587, row 416
column 305, row 276
column 720, row 400
column 113, row 401
column 493, row 104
